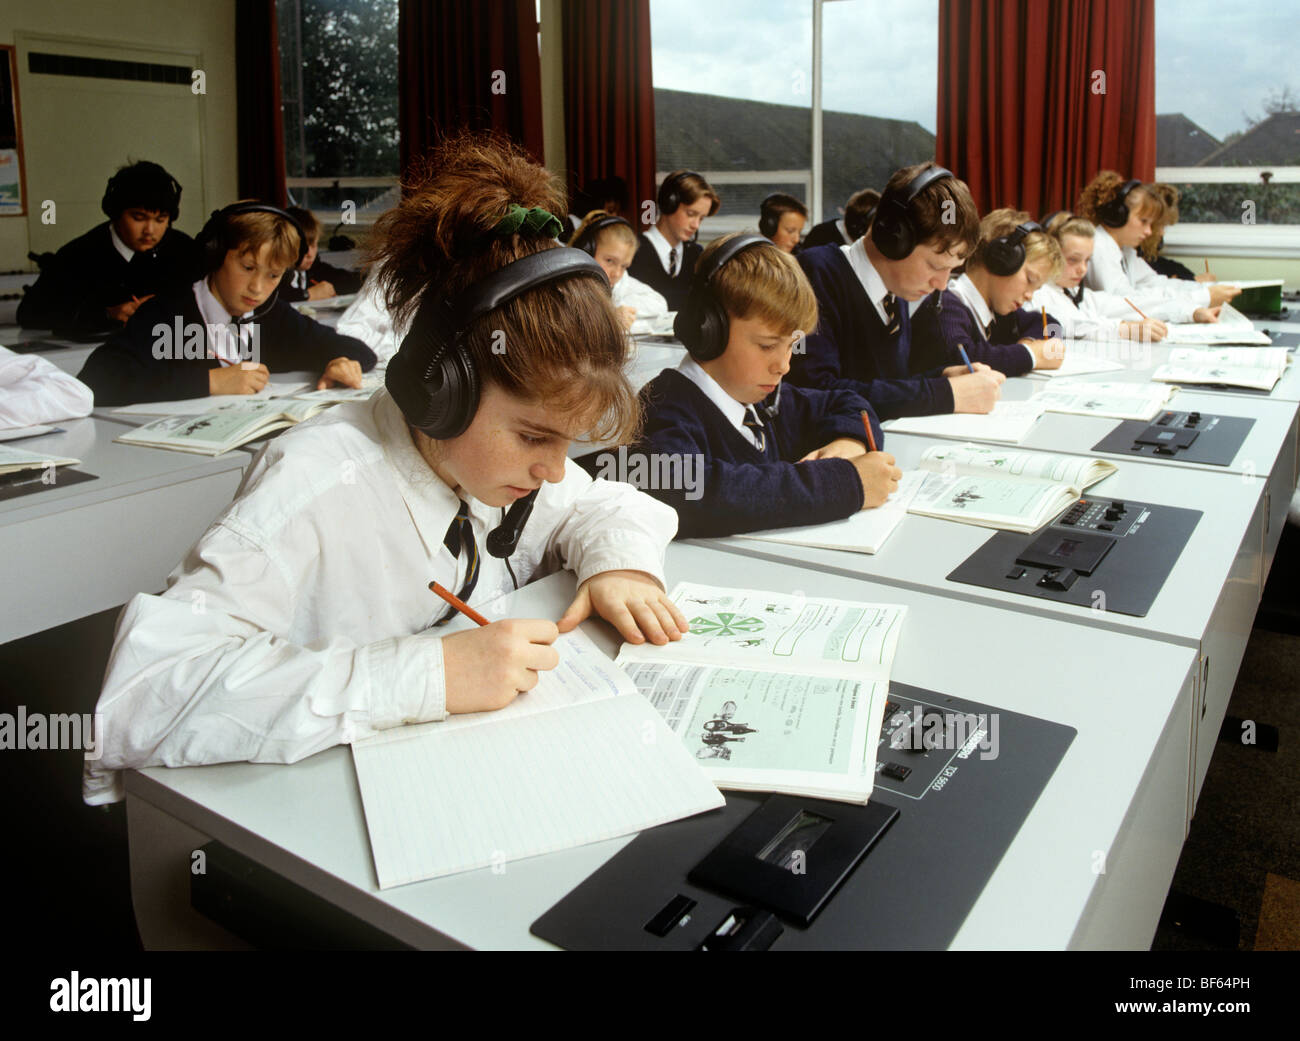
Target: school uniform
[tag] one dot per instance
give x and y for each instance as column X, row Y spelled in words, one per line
column 827, row 233
column 631, row 292
column 1121, row 272
column 34, row 391
column 128, row 369
column 960, row 316
column 1082, row 313
column 745, row 457
column 315, row 627
column 665, row 269
column 368, row 320
column 858, row 346
column 295, row 284
column 97, row 271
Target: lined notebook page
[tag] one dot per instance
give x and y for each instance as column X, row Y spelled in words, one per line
column 456, row 800
column 1009, row 422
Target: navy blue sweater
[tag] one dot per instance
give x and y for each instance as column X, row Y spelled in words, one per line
column 742, row 488
column 852, row 351
column 941, row 329
column 124, row 371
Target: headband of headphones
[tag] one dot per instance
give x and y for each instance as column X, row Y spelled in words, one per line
column 893, row 230
column 1005, row 255
column 432, row 378
column 670, row 192
column 702, row 323
column 590, row 235
column 142, row 184
column 213, row 240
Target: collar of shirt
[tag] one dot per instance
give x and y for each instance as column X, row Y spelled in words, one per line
column 856, row 255
column 732, row 410
column 843, row 230
column 971, row 297
column 227, row 342
column 656, row 238
column 123, row 250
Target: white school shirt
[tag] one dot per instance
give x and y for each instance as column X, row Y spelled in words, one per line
column 1085, row 320
column 368, row 320
column 32, row 391
column 299, row 620
column 1122, row 273
column 875, row 287
column 660, row 244
column 228, row 342
column 968, row 293
column 630, row 292
column 732, row 410
column 123, row 250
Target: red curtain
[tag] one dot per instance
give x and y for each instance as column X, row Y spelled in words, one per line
column 258, row 118
column 609, row 108
column 467, row 65
column 1035, row 98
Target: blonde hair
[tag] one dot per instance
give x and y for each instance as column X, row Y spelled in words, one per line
column 1063, row 224
column 1168, row 196
column 763, row 283
column 1038, row 244
column 620, row 229
column 249, row 232
column 565, row 345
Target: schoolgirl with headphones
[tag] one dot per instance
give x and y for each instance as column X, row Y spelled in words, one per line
column 316, row 624
column 668, row 252
column 1124, row 213
column 983, row 308
column 230, row 330
column 771, row 455
column 612, row 242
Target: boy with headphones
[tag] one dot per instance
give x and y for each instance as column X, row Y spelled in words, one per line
column 923, row 228
column 772, row 455
column 983, row 308
column 846, row 230
column 781, row 218
column 316, row 624
column 228, row 331
column 98, row 280
column 1124, row 213
column 668, row 252
column 313, row 278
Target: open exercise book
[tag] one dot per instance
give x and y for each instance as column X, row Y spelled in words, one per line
column 996, row 488
column 1256, row 367
column 580, row 758
column 1105, row 399
column 1009, row 423
column 772, row 692
column 15, row 460
column 1082, row 358
column 225, row 427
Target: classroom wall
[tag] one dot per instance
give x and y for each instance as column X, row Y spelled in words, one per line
column 207, row 30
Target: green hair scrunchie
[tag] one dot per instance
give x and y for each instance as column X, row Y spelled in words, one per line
column 535, row 221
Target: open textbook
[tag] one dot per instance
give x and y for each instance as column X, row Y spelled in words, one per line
column 1008, row 423
column 225, row 427
column 370, row 383
column 580, row 758
column 996, row 488
column 1256, row 367
column 1108, row 400
column 774, row 692
column 15, row 460
column 864, row 532
column 1210, row 333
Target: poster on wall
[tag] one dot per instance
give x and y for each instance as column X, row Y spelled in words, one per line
column 12, row 202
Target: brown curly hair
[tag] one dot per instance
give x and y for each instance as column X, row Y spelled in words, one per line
column 564, row 344
column 1105, row 187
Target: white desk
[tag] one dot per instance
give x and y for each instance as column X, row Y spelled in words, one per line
column 1121, row 791
column 71, row 551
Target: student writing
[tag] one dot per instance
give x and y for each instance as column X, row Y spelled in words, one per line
column 667, row 252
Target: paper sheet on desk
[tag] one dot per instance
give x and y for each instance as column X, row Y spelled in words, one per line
column 211, row 403
column 18, row 433
column 580, row 758
column 1008, row 423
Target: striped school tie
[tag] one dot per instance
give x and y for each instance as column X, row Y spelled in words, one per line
column 461, row 533
column 891, row 313
column 672, row 262
column 754, row 422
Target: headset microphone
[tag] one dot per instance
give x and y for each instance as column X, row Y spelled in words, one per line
column 501, row 541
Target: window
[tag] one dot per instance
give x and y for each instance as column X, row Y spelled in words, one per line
column 338, row 82
column 1228, row 121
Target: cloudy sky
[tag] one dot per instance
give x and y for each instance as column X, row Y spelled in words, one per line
column 1214, row 58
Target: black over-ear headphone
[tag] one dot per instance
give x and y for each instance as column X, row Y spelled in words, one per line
column 214, row 239
column 670, row 193
column 1114, row 212
column 432, row 377
column 857, row 226
column 1005, row 255
column 1046, row 222
column 114, row 201
column 590, row 235
column 768, row 222
column 702, row 323
column 893, row 230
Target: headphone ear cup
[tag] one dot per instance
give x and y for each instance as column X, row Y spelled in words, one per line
column 686, row 326
column 892, row 234
column 1002, row 258
column 714, row 330
column 767, row 225
column 434, row 384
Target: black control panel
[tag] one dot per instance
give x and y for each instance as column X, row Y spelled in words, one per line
column 955, row 780
column 1190, row 437
column 1106, row 554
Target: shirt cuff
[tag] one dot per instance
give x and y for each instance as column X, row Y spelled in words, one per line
column 623, row 551
column 408, row 682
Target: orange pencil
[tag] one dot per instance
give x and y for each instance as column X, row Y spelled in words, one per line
column 1135, row 307
column 871, row 438
column 458, row 604
column 1044, row 323
column 1207, row 265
